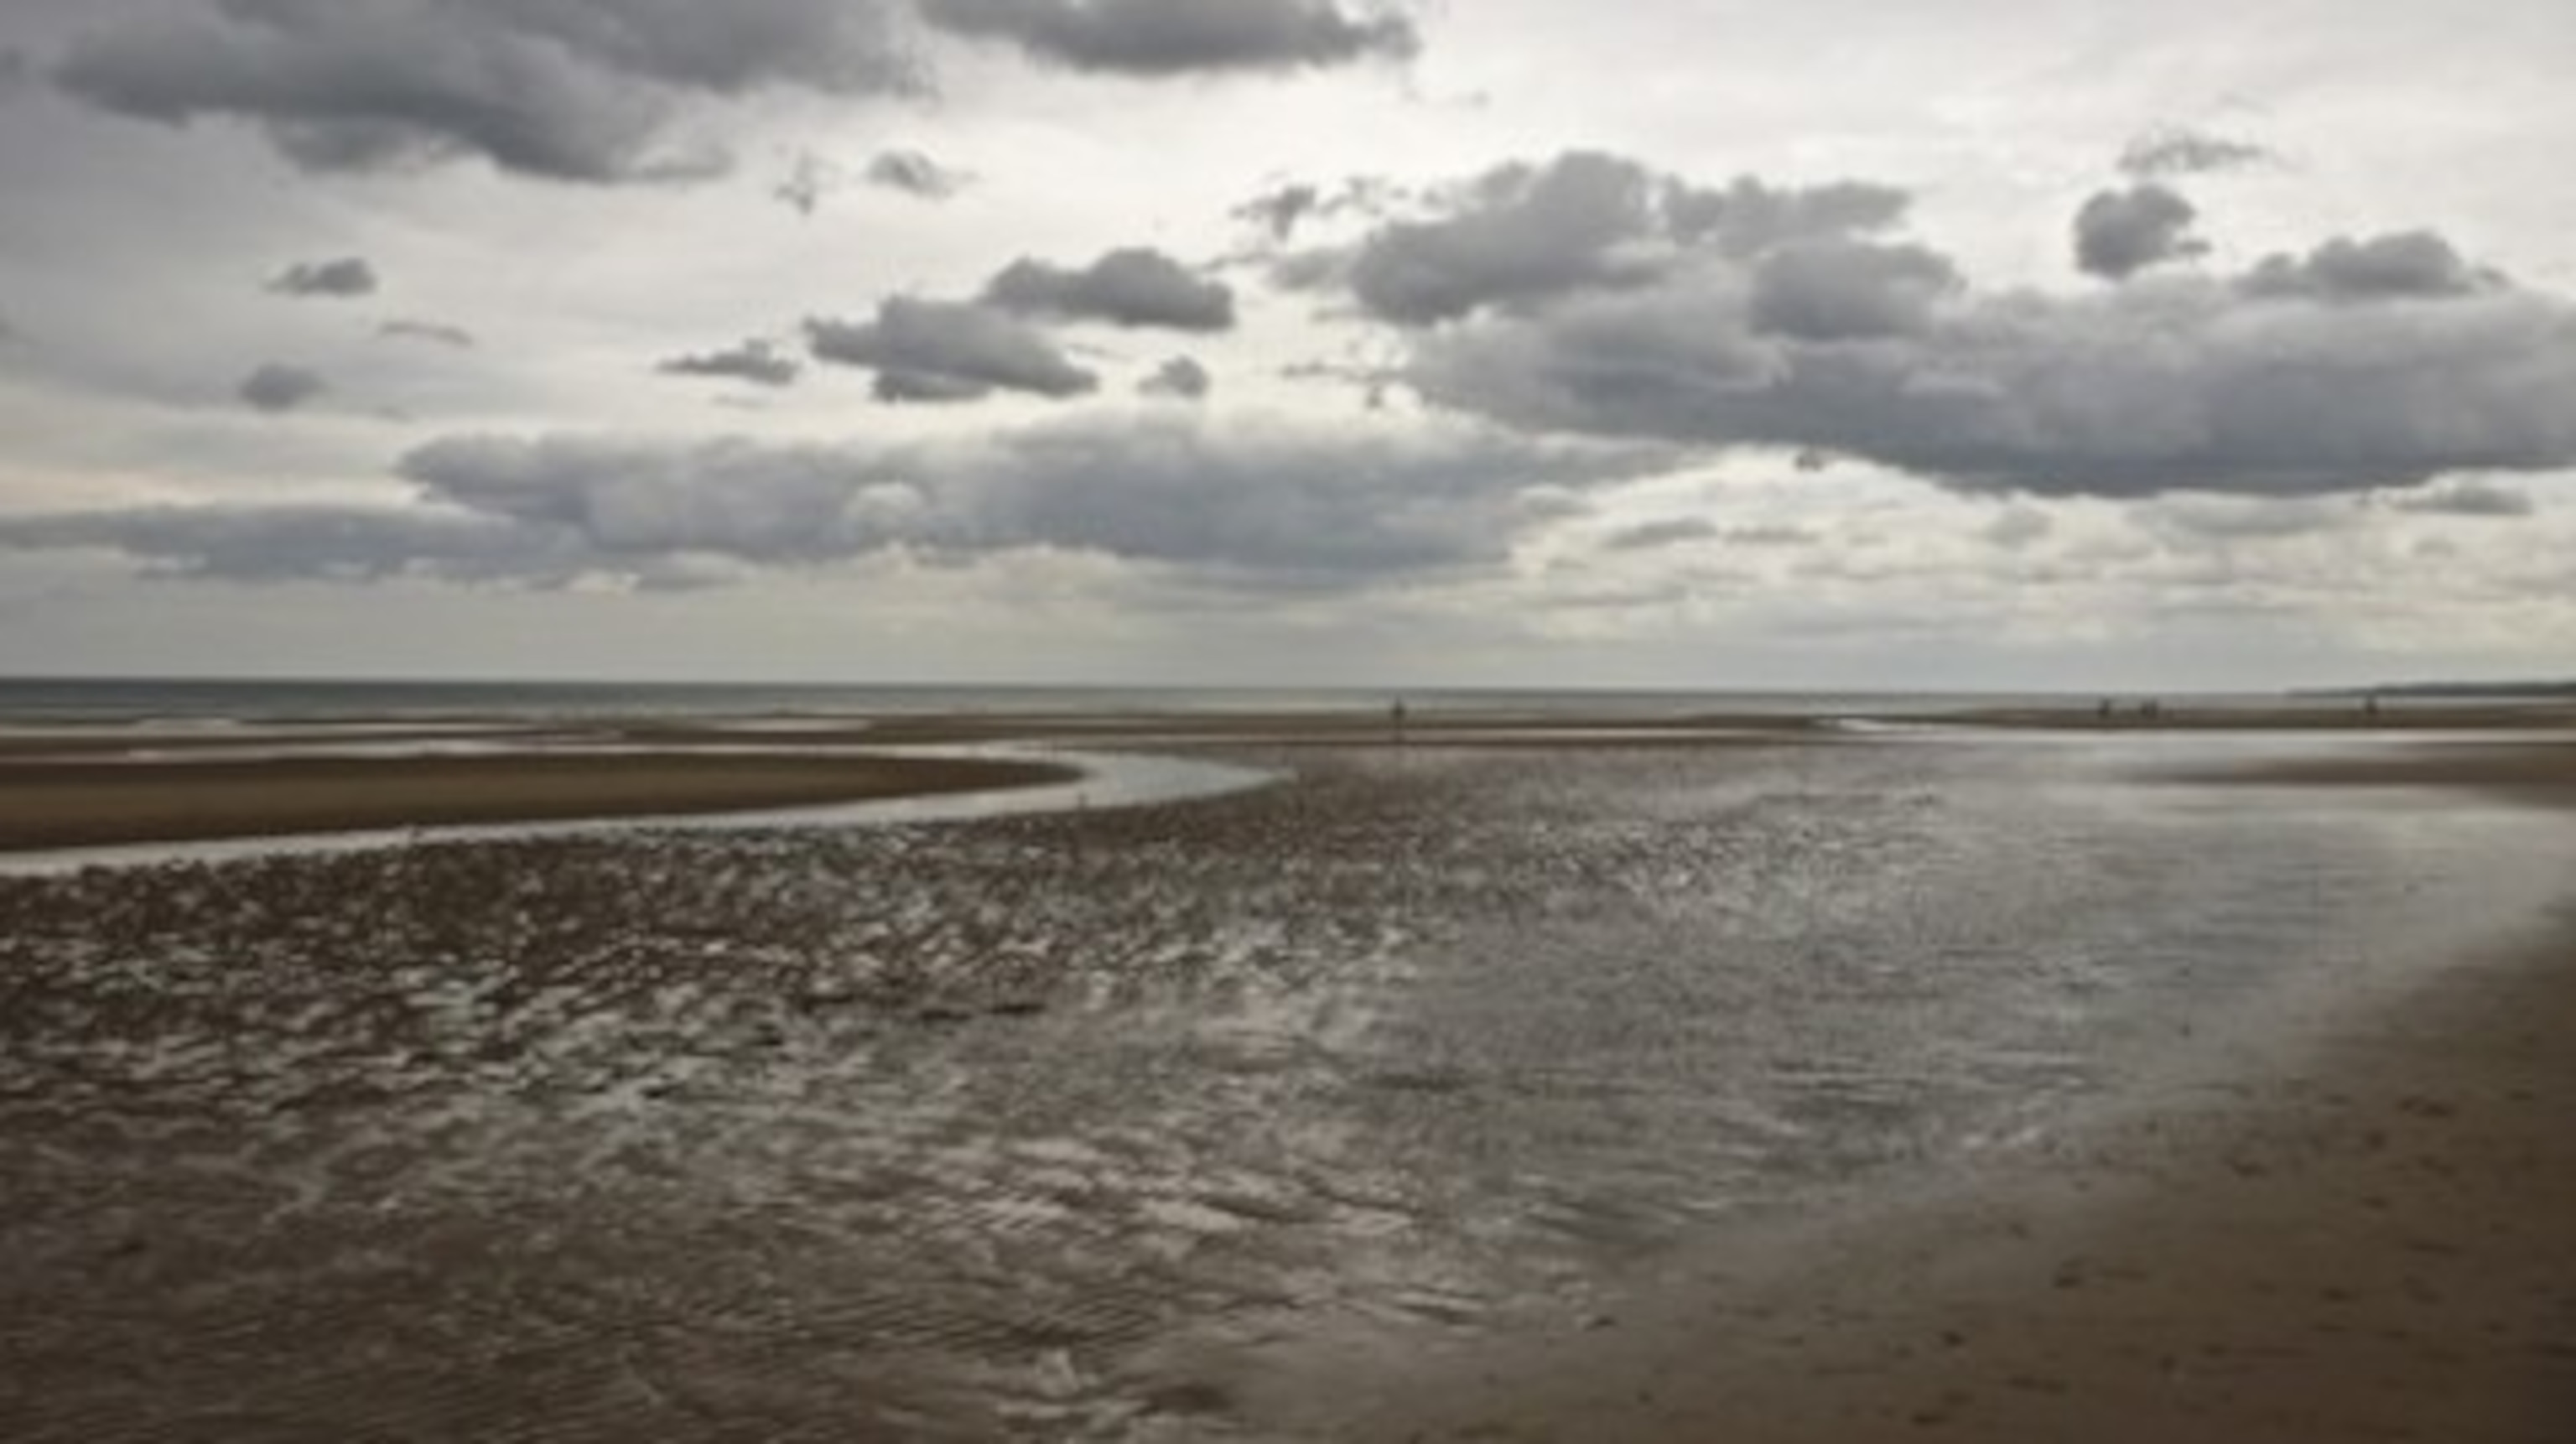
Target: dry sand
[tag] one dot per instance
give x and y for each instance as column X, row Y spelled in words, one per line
column 84, row 803
column 2365, row 1235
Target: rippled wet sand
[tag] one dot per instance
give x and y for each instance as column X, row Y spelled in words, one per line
column 1056, row 1127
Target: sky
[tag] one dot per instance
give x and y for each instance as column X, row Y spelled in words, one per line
column 1999, row 344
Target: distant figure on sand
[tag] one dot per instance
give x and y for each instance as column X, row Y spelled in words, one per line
column 1395, row 718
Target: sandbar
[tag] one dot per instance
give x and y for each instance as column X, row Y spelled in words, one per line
column 82, row 803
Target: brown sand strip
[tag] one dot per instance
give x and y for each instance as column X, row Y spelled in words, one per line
column 2127, row 716
column 78, row 804
column 2539, row 771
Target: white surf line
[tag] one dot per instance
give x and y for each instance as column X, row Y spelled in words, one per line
column 1108, row 780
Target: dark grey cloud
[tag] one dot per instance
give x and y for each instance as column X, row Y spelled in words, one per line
column 587, row 90
column 759, row 362
column 915, row 174
column 275, row 387
column 1841, row 290
column 1181, row 377
column 948, row 351
column 2463, row 498
column 348, row 276
column 432, row 332
column 1153, row 38
column 2184, row 152
column 2407, row 264
column 1132, row 286
column 1248, row 506
column 2189, row 385
column 1522, row 234
column 2120, row 233
column 2277, row 382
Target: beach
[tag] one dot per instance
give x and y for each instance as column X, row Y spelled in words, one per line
column 2367, row 1238
column 1533, row 1079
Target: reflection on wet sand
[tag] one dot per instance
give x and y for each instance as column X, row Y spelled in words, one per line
column 1070, row 1125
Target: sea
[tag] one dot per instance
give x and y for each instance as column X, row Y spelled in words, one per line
column 152, row 701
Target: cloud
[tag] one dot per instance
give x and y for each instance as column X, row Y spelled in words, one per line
column 915, row 174
column 1279, row 212
column 582, row 90
column 758, row 362
column 1160, row 38
column 1182, row 377
column 349, row 276
column 1522, row 234
column 2463, row 498
column 2183, row 152
column 275, row 388
column 280, row 543
column 2144, row 389
column 431, row 332
column 2410, row 263
column 1252, row 505
column 1127, row 287
column 941, row 351
column 1840, row 290
column 2246, row 519
column 808, row 180
column 2120, row 233
column 1881, row 350
column 1660, row 535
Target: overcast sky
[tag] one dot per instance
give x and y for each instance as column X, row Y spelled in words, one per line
column 1518, row 342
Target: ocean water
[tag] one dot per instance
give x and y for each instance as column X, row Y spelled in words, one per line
column 132, row 701
column 1087, row 1126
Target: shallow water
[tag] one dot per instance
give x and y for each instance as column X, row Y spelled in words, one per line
column 1058, row 1126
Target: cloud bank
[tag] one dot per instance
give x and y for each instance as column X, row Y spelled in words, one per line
column 1589, row 295
column 580, row 90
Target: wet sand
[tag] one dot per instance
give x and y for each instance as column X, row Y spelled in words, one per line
column 263, row 1120
column 2360, row 1231
column 78, row 803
